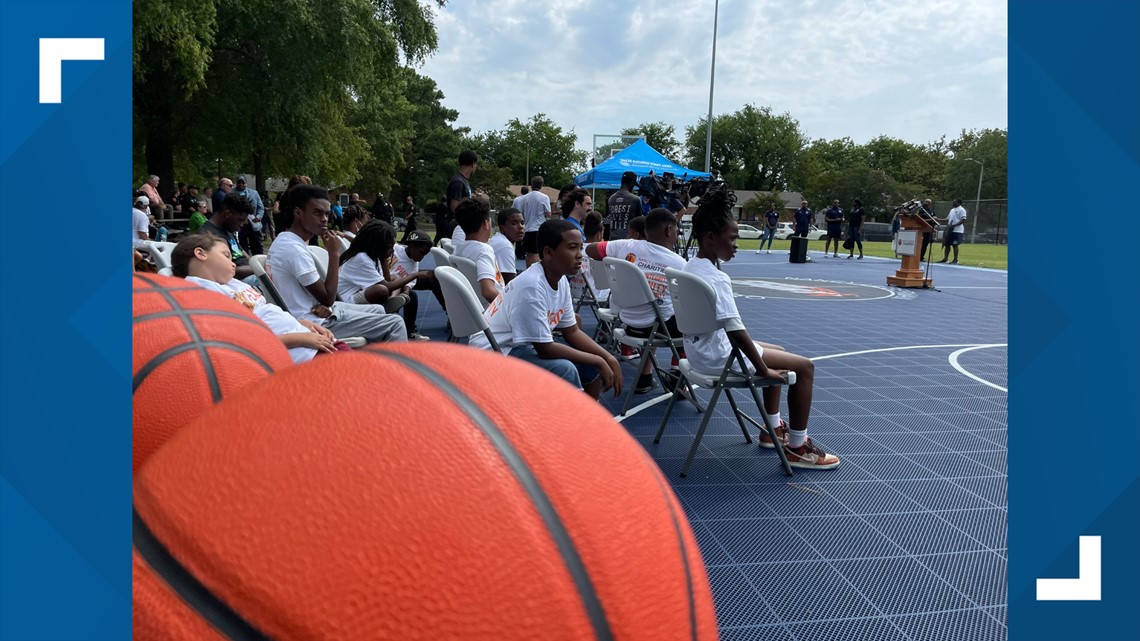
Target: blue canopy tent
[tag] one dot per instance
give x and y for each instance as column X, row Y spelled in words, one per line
column 639, row 158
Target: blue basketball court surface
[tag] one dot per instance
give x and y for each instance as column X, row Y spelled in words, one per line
column 907, row 538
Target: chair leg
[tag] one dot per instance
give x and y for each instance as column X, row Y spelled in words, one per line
column 668, row 412
column 736, row 413
column 629, row 394
column 779, row 446
column 700, row 433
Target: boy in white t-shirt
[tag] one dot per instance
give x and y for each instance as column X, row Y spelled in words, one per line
column 652, row 256
column 404, row 270
column 510, row 233
column 204, row 259
column 474, row 216
column 294, row 272
column 716, row 233
column 537, row 302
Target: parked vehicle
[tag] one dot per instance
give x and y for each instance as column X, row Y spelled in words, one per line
column 786, row 230
column 746, row 232
column 877, row 232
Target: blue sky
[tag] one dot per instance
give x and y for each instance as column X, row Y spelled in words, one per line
column 857, row 68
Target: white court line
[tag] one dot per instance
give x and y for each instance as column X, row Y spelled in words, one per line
column 953, row 362
column 962, row 370
column 968, row 287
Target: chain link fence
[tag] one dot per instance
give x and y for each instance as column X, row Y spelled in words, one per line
column 986, row 221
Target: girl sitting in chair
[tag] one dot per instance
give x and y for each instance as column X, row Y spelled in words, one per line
column 716, row 233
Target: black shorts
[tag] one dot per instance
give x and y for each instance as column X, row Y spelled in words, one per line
column 951, row 238
column 643, row 332
column 837, row 234
column 530, row 242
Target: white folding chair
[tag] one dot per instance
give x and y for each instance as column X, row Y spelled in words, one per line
column 257, row 263
column 467, row 267
column 441, row 257
column 159, row 250
column 344, row 244
column 607, row 316
column 166, row 271
column 630, row 288
column 321, row 255
column 694, row 302
column 463, row 309
column 447, row 244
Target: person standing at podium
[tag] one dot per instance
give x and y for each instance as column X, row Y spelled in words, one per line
column 926, row 212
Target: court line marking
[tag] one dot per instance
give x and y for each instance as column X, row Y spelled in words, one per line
column 953, row 362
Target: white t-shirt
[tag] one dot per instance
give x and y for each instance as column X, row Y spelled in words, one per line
column 652, row 260
column 458, row 234
column 535, row 206
column 293, row 269
column 955, row 219
column 527, row 311
column 401, row 265
column 504, row 254
column 486, row 267
column 356, row 275
column 278, row 320
column 708, row 352
column 586, row 276
column 139, row 222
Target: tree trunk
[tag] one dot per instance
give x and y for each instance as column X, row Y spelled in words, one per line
column 259, row 171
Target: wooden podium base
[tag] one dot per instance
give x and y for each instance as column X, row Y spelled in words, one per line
column 908, row 278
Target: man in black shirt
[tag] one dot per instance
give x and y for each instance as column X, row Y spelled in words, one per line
column 459, row 187
column 224, row 224
column 855, row 228
column 622, row 207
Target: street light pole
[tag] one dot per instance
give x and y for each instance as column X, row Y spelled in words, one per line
column 528, row 163
column 977, row 200
column 219, row 168
column 712, row 76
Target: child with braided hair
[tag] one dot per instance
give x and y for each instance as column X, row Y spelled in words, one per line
column 716, row 233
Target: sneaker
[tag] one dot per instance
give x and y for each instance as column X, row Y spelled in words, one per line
column 645, row 384
column 810, row 457
column 953, row 262
column 941, row 261
column 628, row 353
column 416, row 336
column 835, row 255
column 860, row 257
column 769, row 251
column 850, row 256
column 781, row 433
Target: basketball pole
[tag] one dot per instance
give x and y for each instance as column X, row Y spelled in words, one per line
column 712, row 76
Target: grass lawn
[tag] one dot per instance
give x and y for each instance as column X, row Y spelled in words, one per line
column 992, row 256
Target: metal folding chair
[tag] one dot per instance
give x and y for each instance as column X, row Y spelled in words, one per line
column 447, row 244
column 630, row 288
column 463, row 309
column 467, row 267
column 694, row 303
column 159, row 250
column 269, row 289
column 607, row 317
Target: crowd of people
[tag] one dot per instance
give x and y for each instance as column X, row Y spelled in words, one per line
column 369, row 286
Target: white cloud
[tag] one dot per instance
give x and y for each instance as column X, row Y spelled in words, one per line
column 856, row 68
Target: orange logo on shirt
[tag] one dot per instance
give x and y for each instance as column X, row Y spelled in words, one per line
column 554, row 317
column 631, row 258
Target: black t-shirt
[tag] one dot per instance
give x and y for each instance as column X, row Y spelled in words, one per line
column 621, row 207
column 834, row 227
column 457, row 189
column 855, row 218
column 239, row 257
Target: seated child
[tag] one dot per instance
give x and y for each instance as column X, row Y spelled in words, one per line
column 716, row 234
column 204, row 259
column 537, row 302
column 363, row 266
column 510, row 234
column 405, row 274
column 474, row 217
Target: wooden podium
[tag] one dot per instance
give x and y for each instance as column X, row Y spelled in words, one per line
column 910, row 274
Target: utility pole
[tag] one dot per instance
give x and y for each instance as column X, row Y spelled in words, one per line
column 977, row 200
column 712, row 76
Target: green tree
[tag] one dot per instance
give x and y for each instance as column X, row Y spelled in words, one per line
column 990, row 146
column 535, row 147
column 926, row 171
column 289, row 87
column 493, row 181
column 755, row 208
column 660, row 136
column 874, row 187
column 753, row 148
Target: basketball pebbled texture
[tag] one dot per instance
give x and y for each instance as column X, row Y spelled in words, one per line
column 191, row 348
column 455, row 494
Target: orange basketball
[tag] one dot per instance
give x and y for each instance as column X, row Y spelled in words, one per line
column 192, row 347
column 452, row 494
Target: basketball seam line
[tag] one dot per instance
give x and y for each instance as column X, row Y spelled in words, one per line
column 655, row 471
column 195, row 337
column 193, row 593
column 530, row 485
column 161, row 357
column 197, row 312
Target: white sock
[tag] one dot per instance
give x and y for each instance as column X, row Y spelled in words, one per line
column 796, row 438
column 775, row 419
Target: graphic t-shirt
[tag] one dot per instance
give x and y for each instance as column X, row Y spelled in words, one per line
column 278, row 320
column 955, row 219
column 527, row 311
column 400, row 265
column 652, row 260
column 621, row 207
